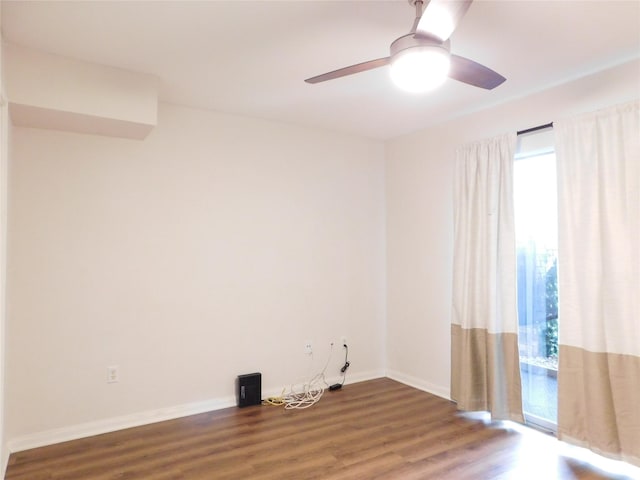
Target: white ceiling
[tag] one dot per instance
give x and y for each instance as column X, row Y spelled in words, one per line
column 251, row 57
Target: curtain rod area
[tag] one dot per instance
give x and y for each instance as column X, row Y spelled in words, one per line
column 535, row 129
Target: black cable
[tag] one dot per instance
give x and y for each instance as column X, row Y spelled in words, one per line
column 346, row 364
column 343, row 370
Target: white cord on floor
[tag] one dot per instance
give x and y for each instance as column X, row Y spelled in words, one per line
column 311, row 391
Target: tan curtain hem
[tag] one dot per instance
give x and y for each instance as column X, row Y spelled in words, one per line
column 599, row 402
column 485, row 373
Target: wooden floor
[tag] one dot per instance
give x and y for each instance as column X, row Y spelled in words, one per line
column 378, row 429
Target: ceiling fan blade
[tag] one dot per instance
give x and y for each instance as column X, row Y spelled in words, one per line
column 343, row 72
column 441, row 17
column 468, row 71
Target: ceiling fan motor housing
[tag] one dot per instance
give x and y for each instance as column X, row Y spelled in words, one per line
column 412, row 40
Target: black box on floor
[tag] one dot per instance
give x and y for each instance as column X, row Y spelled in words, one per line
column 249, row 389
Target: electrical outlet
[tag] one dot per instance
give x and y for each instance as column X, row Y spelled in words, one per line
column 343, row 341
column 307, row 348
column 113, row 374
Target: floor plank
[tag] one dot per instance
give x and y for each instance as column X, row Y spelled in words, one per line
column 380, row 429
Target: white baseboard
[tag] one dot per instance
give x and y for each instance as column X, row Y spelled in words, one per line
column 74, row 432
column 420, row 384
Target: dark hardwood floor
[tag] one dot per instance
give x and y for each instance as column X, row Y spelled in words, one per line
column 378, row 429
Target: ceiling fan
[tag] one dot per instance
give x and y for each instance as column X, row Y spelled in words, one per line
column 422, row 59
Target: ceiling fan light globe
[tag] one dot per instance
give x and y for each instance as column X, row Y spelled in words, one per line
column 420, row 69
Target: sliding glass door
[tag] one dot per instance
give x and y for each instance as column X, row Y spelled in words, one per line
column 536, row 237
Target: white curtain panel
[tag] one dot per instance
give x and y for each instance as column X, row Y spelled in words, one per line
column 484, row 340
column 598, row 159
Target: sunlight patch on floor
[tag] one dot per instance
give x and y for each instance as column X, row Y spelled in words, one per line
column 569, row 457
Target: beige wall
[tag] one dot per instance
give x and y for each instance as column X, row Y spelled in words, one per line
column 5, row 129
column 420, row 216
column 4, row 154
column 217, row 246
